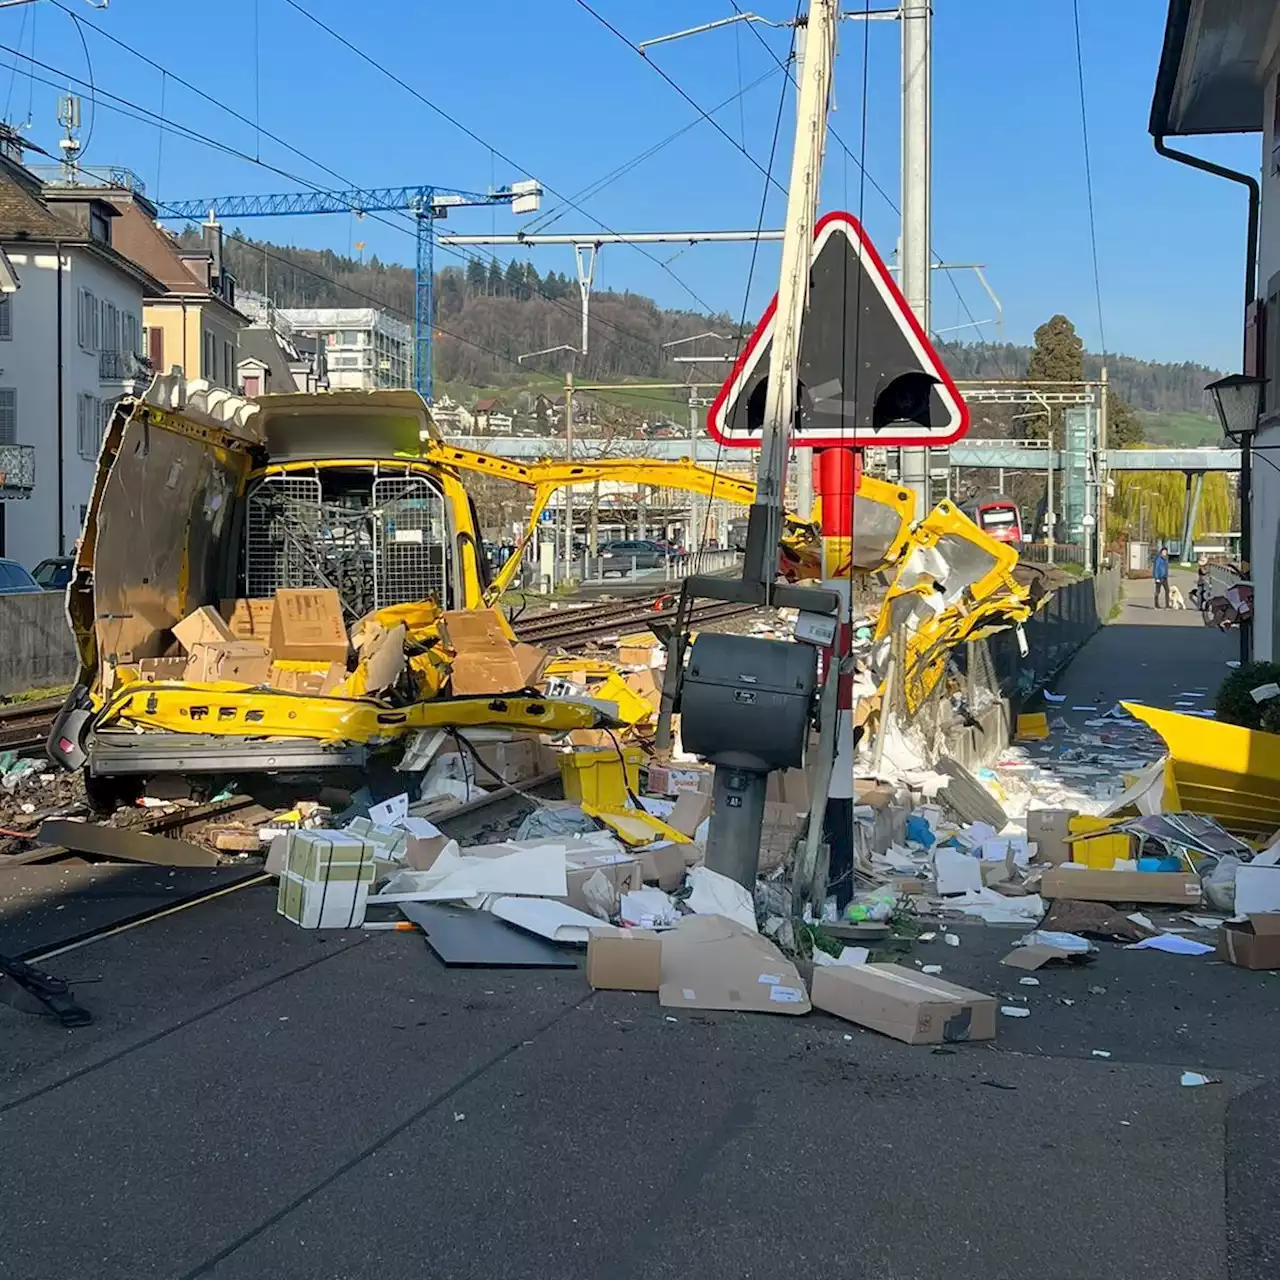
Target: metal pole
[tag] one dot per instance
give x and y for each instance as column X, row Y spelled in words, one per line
column 693, row 541
column 585, row 256
column 1099, row 469
column 793, row 291
column 914, row 253
column 1050, row 518
column 568, row 450
column 423, row 320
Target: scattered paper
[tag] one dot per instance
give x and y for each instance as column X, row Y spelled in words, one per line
column 1203, row 922
column 1028, row 982
column 848, row 957
column 1014, row 1011
column 1172, row 943
column 1084, row 708
column 951, row 939
column 554, row 920
column 713, row 894
column 649, row 909
column 1265, row 692
column 956, row 872
column 390, row 813
column 933, row 969
column 1102, row 1053
column 1145, row 921
column 1054, row 697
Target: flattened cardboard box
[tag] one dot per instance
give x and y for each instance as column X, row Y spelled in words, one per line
column 1253, row 943
column 909, row 1006
column 1086, row 885
column 624, row 959
column 622, row 871
column 709, row 962
column 486, row 661
column 665, row 864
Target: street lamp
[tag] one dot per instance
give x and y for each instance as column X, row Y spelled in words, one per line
column 1238, row 400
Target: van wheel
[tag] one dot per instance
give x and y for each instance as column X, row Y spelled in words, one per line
column 106, row 795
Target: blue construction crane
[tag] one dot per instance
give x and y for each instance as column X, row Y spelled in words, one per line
column 426, row 204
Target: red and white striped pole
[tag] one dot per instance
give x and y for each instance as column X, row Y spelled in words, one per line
column 838, row 474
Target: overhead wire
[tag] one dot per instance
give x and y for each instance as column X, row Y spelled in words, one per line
column 27, row 10
column 194, row 135
column 471, row 133
column 145, row 115
column 1088, row 175
column 755, row 254
column 860, row 163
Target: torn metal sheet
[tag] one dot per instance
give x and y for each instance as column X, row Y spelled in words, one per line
column 122, row 845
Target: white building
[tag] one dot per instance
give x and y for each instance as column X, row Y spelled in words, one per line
column 1218, row 74
column 70, row 342
column 364, row 347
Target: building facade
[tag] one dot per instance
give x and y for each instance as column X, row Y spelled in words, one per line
column 365, row 348
column 1218, row 75
column 71, row 337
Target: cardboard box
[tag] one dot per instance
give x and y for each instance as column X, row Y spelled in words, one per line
column 203, row 626
column 1087, row 885
column 789, row 787
column 646, row 685
column 307, row 677
column 665, row 865
column 515, row 761
column 640, row 651
column 1049, row 829
column 324, row 879
column 624, row 959
column 249, row 619
column 903, row 1003
column 782, row 824
column 238, row 661
column 622, row 870
column 710, row 962
column 1252, row 943
column 152, row 669
column 670, row 780
column 691, row 810
column 307, row 626
column 486, row 661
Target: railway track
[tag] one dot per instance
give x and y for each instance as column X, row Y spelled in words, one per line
column 576, row 628
column 25, row 725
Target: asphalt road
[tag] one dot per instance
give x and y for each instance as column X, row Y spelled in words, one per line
column 257, row 1101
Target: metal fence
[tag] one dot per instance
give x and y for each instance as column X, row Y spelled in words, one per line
column 589, row 570
column 1058, row 553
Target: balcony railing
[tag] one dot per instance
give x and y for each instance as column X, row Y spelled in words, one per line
column 17, row 470
column 123, row 366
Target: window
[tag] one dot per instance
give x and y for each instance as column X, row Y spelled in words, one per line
column 109, row 327
column 349, row 337
column 6, row 318
column 208, row 368
column 155, row 347
column 251, row 385
column 228, row 364
column 88, row 425
column 8, row 415
column 99, row 224
column 87, row 320
column 130, row 331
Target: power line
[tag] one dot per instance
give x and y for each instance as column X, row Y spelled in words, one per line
column 147, row 116
column 193, row 135
column 1088, row 176
column 457, row 124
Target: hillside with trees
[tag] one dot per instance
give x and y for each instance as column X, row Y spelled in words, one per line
column 487, row 315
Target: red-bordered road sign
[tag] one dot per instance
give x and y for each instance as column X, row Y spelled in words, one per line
column 868, row 374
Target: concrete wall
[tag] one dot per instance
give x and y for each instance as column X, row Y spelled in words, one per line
column 996, row 665
column 36, row 650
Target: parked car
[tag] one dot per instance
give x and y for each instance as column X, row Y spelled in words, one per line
column 622, row 557
column 53, row 573
column 14, row 578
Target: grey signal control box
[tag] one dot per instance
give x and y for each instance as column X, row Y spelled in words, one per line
column 746, row 702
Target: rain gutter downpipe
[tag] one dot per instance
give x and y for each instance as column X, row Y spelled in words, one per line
column 1250, row 296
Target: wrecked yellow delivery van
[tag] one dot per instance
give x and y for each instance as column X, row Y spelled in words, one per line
column 202, row 497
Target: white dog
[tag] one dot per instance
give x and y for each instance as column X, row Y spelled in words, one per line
column 1175, row 598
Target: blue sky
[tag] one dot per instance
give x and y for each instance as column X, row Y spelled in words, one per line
column 564, row 100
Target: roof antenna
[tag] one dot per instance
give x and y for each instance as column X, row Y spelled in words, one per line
column 69, row 119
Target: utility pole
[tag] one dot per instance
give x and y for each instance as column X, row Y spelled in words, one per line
column 568, row 453
column 765, row 524
column 917, row 198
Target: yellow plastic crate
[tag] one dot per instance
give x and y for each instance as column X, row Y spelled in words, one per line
column 1098, row 853
column 597, row 777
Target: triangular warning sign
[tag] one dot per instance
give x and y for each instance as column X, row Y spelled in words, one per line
column 868, row 373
